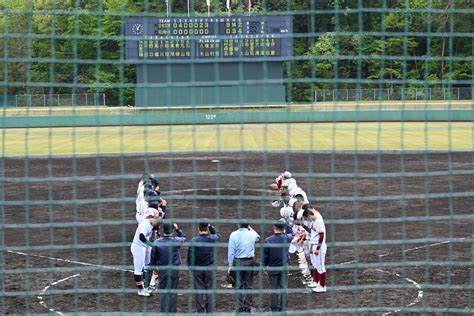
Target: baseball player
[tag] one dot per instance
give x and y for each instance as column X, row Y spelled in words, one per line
column 278, row 185
column 292, row 190
column 279, row 180
column 141, row 249
column 299, row 244
column 154, row 195
column 315, row 224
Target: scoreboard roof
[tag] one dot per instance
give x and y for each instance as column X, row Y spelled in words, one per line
column 159, row 39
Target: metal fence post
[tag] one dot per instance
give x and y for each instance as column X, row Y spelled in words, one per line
column 103, row 99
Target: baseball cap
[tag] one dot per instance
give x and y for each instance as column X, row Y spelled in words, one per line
column 280, row 224
column 287, row 175
column 203, row 222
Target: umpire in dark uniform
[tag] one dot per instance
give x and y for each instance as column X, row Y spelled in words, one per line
column 165, row 255
column 201, row 262
column 275, row 257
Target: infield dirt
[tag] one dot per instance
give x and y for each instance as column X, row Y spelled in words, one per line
column 75, row 204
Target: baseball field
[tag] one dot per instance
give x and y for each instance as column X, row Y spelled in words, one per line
column 397, row 200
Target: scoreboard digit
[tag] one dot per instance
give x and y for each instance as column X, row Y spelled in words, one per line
column 155, row 39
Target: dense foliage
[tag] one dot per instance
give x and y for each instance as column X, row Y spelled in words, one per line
column 77, row 45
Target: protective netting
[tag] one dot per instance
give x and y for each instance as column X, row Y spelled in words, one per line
column 368, row 104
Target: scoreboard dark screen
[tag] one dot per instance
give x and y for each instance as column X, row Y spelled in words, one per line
column 208, row 38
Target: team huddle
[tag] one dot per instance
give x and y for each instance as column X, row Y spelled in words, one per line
column 156, row 255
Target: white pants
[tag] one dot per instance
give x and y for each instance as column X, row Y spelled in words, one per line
column 318, row 260
column 141, row 257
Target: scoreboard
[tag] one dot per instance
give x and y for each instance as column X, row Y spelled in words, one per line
column 159, row 39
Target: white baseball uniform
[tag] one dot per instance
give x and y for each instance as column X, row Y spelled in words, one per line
column 295, row 191
column 140, row 251
column 290, row 184
column 141, row 204
column 317, row 226
column 287, row 213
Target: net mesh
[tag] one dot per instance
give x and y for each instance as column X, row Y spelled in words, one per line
column 370, row 109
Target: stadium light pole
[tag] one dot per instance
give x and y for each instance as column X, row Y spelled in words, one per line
column 208, row 2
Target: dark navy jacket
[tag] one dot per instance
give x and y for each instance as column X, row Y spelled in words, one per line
column 275, row 250
column 165, row 250
column 201, row 251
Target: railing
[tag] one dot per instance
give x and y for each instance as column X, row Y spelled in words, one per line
column 50, row 100
column 402, row 94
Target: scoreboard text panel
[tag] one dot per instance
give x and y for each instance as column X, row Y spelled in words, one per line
column 208, row 38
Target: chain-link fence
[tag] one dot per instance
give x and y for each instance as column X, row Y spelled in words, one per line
column 402, row 94
column 394, row 187
column 49, row 100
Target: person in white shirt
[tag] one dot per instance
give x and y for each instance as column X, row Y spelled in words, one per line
column 141, row 248
column 240, row 256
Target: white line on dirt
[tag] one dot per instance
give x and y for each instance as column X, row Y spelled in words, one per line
column 69, row 261
column 416, row 284
column 415, row 248
column 40, row 296
column 43, row 291
column 194, row 190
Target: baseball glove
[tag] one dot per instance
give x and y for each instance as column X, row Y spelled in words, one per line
column 230, row 278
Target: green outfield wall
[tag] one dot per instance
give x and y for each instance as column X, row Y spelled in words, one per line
column 233, row 118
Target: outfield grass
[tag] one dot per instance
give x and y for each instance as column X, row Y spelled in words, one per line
column 298, row 136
